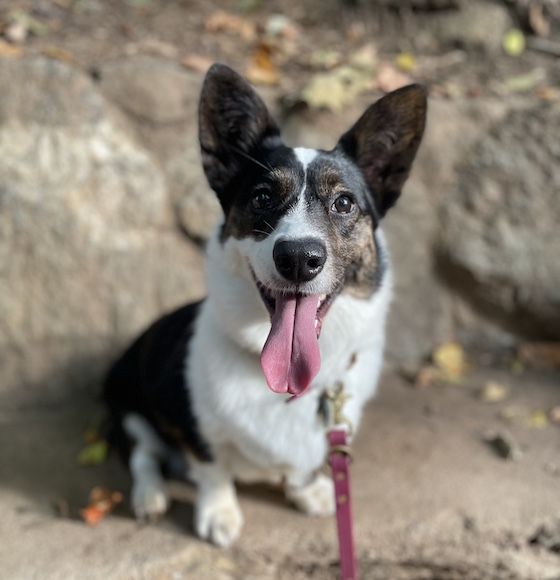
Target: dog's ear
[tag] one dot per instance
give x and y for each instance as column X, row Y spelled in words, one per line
column 234, row 124
column 384, row 141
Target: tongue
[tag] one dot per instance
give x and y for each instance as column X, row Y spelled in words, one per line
column 290, row 358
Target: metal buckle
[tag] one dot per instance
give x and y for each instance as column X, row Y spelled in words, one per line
column 332, row 410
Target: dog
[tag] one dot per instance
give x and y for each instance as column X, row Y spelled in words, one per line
column 299, row 289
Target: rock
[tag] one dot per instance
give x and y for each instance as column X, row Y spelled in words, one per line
column 161, row 100
column 500, row 234
column 478, row 24
column 89, row 249
column 151, row 88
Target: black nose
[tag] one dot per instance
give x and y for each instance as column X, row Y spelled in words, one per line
column 299, row 260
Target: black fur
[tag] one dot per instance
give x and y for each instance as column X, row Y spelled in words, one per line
column 149, row 380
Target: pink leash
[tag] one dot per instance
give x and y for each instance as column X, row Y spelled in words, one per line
column 339, row 459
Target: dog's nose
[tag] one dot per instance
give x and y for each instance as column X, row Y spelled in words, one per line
column 299, row 260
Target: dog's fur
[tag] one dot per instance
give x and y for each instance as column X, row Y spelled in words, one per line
column 192, row 382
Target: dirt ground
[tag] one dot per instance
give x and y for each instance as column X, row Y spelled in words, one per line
column 433, row 500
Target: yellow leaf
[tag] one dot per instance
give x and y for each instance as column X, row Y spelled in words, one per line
column 93, row 454
column 406, row 62
column 451, row 361
column 494, row 392
column 514, row 42
column 261, row 69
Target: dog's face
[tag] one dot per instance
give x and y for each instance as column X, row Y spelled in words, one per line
column 304, row 219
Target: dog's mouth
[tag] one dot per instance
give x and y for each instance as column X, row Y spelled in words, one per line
column 290, row 358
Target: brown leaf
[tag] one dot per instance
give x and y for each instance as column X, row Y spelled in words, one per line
column 389, row 78
column 261, row 70
column 8, row 50
column 102, row 502
column 540, row 355
column 197, row 62
column 61, row 54
column 222, row 21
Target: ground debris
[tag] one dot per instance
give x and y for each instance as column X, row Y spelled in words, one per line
column 504, row 445
column 547, row 536
column 494, row 392
column 102, row 502
column 540, row 355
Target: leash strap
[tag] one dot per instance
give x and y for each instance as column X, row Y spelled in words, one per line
column 339, row 459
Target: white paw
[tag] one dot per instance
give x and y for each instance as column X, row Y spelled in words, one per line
column 218, row 519
column 316, row 498
column 149, row 499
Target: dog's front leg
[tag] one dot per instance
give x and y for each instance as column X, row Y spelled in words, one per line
column 313, row 493
column 217, row 515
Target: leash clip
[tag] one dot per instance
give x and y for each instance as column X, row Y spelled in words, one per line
column 335, row 399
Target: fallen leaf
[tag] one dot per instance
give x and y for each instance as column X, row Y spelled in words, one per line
column 197, row 62
column 57, row 53
column 222, row 21
column 365, row 58
column 93, row 454
column 102, row 502
column 280, row 25
column 537, row 420
column 390, row 79
column 548, row 94
column 426, row 377
column 513, row 42
column 8, row 50
column 526, row 82
column 540, row 355
column 406, row 62
column 537, row 20
column 450, row 359
column 325, row 59
column 554, row 415
column 335, row 89
column 494, row 392
column 261, row 70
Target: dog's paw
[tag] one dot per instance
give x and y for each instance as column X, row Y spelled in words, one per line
column 218, row 519
column 150, row 499
column 315, row 498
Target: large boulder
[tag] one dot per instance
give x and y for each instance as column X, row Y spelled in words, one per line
column 500, row 225
column 89, row 247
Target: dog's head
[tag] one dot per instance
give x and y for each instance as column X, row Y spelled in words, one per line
column 304, row 219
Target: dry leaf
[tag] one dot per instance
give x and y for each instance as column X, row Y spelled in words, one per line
column 261, row 70
column 494, row 392
column 60, row 54
column 426, row 377
column 93, row 454
column 540, row 355
column 8, row 50
column 513, row 42
column 197, row 63
column 554, row 415
column 537, row 20
column 390, row 79
column 537, row 420
column 406, row 62
column 335, row 89
column 102, row 502
column 221, row 21
column 280, row 25
column 450, row 359
column 365, row 58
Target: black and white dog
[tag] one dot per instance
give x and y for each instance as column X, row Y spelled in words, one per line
column 299, row 288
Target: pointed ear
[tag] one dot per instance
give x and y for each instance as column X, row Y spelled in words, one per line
column 384, row 141
column 233, row 124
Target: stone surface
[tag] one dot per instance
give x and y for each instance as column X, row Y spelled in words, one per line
column 478, row 24
column 500, row 234
column 89, row 251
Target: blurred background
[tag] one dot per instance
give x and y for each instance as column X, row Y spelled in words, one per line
column 104, row 213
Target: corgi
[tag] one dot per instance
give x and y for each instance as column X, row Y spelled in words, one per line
column 299, row 286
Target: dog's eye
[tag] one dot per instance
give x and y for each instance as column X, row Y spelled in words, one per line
column 343, row 204
column 261, row 200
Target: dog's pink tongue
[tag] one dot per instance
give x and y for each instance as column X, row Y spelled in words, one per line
column 290, row 358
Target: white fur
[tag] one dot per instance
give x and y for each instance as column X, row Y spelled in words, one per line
column 255, row 433
column 149, row 494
